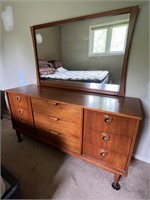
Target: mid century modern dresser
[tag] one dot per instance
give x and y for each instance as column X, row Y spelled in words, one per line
column 98, row 129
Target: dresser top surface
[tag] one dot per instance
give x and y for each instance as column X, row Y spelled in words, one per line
column 124, row 106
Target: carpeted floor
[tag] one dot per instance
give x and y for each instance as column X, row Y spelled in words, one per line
column 46, row 173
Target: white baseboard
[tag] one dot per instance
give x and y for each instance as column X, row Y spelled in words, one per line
column 147, row 160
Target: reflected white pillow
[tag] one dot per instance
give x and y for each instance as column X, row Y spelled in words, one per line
column 61, row 69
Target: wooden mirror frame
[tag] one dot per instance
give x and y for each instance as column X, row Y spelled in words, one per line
column 109, row 88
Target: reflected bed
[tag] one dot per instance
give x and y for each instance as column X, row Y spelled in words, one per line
column 84, row 76
column 54, row 69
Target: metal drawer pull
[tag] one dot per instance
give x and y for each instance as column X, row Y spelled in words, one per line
column 103, row 154
column 107, row 119
column 18, row 98
column 54, row 133
column 53, row 118
column 20, row 112
column 105, row 137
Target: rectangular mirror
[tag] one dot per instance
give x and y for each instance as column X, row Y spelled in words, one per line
column 88, row 53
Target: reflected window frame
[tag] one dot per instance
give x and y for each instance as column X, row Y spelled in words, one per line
column 108, row 28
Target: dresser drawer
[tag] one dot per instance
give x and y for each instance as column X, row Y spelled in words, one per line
column 114, row 124
column 63, row 142
column 22, row 114
column 19, row 100
column 59, row 110
column 117, row 160
column 48, row 123
column 108, row 141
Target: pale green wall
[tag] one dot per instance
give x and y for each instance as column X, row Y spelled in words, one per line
column 18, row 67
column 138, row 76
column 50, row 48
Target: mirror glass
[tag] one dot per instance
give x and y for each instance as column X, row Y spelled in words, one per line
column 85, row 54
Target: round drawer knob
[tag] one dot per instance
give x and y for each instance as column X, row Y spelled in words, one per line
column 103, row 154
column 107, row 119
column 20, row 112
column 18, row 98
column 105, row 137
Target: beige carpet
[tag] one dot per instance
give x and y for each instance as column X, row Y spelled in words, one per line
column 46, row 173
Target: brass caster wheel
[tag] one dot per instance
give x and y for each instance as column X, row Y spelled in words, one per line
column 116, row 187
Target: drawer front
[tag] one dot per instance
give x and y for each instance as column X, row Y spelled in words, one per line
column 48, row 123
column 22, row 114
column 108, row 141
column 61, row 141
column 19, row 100
column 110, row 123
column 62, row 111
column 117, row 160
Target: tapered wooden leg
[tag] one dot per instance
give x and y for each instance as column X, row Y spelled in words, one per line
column 115, row 184
column 19, row 136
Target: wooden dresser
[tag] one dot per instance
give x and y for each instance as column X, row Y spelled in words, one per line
column 96, row 128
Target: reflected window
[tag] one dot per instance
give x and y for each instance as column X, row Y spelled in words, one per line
column 99, row 40
column 108, row 39
column 118, row 38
